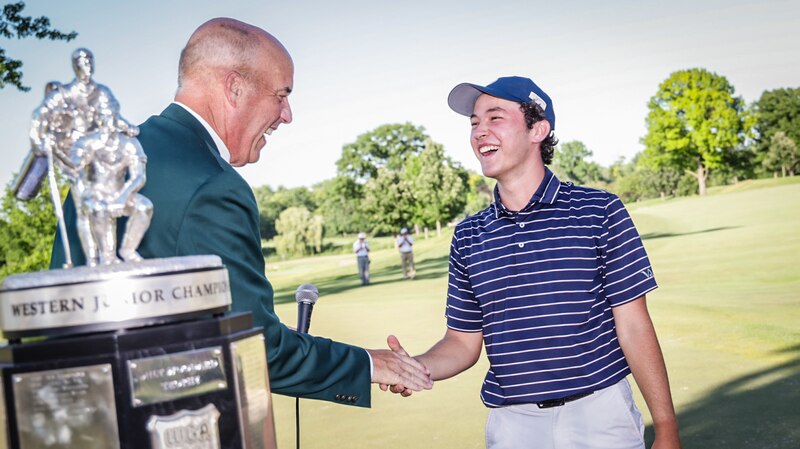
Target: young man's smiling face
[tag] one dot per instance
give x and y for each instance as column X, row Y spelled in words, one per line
column 500, row 138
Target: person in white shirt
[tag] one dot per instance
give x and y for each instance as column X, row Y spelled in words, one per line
column 404, row 243
column 361, row 248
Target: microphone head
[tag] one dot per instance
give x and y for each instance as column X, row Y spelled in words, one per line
column 307, row 293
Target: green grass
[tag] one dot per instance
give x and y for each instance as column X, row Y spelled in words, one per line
column 727, row 314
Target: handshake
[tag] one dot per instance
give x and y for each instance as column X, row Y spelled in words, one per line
column 395, row 370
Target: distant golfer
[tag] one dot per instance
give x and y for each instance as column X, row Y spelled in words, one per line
column 361, row 248
column 405, row 244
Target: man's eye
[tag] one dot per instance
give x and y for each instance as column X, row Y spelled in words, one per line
column 495, row 117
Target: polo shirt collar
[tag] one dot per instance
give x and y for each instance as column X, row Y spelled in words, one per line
column 546, row 193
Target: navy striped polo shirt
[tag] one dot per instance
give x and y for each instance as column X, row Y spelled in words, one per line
column 540, row 284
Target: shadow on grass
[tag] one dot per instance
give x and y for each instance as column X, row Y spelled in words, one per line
column 760, row 410
column 657, row 235
column 426, row 269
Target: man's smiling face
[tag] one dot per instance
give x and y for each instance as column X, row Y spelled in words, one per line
column 500, row 138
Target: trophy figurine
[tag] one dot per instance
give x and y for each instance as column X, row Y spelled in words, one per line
column 109, row 169
column 68, row 113
column 128, row 352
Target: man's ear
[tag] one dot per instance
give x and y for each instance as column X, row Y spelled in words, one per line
column 540, row 131
column 234, row 86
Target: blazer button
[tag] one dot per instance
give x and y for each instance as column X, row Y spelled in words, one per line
column 338, row 397
column 350, row 399
column 355, row 398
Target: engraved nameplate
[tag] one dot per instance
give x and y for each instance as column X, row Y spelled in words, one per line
column 66, row 408
column 252, row 391
column 178, row 375
column 113, row 300
column 187, row 429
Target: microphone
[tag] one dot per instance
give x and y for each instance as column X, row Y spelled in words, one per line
column 306, row 296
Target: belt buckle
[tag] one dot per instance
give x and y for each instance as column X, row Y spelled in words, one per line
column 552, row 403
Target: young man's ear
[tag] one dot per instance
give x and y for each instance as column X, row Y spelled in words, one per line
column 234, row 85
column 540, row 131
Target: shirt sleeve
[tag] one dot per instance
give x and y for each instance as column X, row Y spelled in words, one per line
column 463, row 311
column 627, row 273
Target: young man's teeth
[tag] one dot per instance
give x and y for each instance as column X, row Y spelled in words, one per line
column 489, row 148
column 268, row 132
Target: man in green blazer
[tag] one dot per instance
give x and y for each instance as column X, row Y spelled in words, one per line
column 233, row 86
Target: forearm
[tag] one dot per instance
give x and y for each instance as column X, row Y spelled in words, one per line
column 453, row 354
column 639, row 343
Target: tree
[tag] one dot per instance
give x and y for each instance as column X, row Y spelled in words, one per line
column 636, row 181
column 438, row 186
column 479, row 193
column 388, row 202
column 340, row 200
column 777, row 111
column 27, row 230
column 571, row 163
column 387, row 146
column 299, row 232
column 272, row 202
column 782, row 154
column 695, row 124
column 12, row 24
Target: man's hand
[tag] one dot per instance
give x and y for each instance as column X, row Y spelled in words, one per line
column 395, row 367
column 394, row 345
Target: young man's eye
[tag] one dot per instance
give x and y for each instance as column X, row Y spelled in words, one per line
column 495, row 117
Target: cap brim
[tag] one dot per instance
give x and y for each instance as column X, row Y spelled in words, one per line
column 462, row 98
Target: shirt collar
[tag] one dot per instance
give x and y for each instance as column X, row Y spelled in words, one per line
column 223, row 149
column 546, row 193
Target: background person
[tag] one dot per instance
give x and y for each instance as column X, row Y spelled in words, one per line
column 404, row 244
column 233, row 86
column 551, row 278
column 361, row 248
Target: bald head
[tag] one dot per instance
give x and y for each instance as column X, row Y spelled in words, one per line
column 238, row 78
column 222, row 45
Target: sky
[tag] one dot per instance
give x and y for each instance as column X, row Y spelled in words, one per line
column 362, row 64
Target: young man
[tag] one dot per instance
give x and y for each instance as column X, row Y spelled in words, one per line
column 552, row 279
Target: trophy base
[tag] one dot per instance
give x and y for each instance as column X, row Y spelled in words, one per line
column 96, row 299
column 193, row 384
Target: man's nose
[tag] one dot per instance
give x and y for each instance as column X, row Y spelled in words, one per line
column 479, row 132
column 286, row 112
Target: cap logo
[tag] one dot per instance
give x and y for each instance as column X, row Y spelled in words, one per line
column 538, row 100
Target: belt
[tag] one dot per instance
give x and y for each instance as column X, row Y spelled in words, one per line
column 561, row 401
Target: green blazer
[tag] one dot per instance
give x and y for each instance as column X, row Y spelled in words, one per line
column 202, row 206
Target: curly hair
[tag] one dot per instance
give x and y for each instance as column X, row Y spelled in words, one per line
column 534, row 113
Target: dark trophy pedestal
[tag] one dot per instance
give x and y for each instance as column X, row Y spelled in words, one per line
column 195, row 379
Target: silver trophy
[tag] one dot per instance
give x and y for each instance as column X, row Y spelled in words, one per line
column 80, row 132
column 142, row 353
